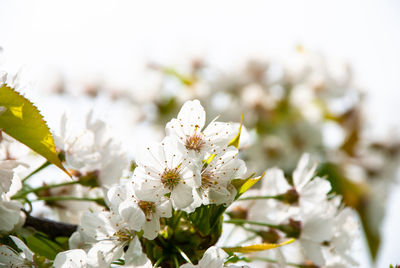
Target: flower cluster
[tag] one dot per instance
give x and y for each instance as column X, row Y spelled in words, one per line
column 189, row 168
column 172, row 208
column 302, row 210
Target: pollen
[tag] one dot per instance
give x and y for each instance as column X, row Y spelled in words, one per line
column 170, row 178
column 194, row 142
column 148, row 208
column 207, row 180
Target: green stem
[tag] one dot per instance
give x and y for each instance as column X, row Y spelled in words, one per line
column 259, row 197
column 158, row 262
column 240, row 221
column 42, row 188
column 43, row 166
column 69, row 198
column 246, row 240
column 177, row 220
column 176, row 261
column 274, row 261
column 183, row 254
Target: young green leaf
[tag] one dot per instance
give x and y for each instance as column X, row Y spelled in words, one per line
column 235, row 141
column 242, row 185
column 21, row 120
column 257, row 247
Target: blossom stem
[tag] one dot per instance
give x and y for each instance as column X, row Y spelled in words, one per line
column 42, row 188
column 274, row 261
column 176, row 261
column 259, row 197
column 158, row 262
column 240, row 222
column 43, row 166
column 99, row 201
column 183, row 254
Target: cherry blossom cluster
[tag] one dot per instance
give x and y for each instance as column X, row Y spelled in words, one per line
column 304, row 210
column 191, row 169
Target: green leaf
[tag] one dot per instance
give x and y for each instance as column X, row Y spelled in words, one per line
column 257, row 247
column 236, row 139
column 43, row 246
column 242, row 185
column 21, row 120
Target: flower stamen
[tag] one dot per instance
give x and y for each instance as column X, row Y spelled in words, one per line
column 148, row 208
column 171, row 178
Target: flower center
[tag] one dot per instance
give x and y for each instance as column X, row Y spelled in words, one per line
column 207, row 180
column 148, row 208
column 194, row 142
column 170, row 178
column 123, row 235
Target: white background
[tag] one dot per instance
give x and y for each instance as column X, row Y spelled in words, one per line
column 113, row 39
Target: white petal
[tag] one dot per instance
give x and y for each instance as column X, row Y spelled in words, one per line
column 192, row 114
column 75, row 258
column 103, row 253
column 150, row 190
column 303, row 172
column 181, row 196
column 21, row 245
column 274, row 182
column 134, row 254
column 214, row 257
column 151, row 228
column 164, row 209
column 132, row 214
column 313, row 251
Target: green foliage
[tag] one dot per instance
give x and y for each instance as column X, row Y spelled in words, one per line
column 242, row 185
column 235, row 141
column 42, row 245
column 257, row 247
column 21, row 120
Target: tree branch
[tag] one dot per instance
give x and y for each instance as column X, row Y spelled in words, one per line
column 49, row 227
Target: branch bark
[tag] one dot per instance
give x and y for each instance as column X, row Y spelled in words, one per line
column 49, row 227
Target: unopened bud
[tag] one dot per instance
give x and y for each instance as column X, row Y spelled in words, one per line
column 270, row 236
column 290, row 197
column 238, row 212
column 90, row 179
column 292, row 229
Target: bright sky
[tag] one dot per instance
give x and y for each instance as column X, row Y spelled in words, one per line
column 113, row 39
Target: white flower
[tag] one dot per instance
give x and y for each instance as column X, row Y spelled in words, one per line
column 316, row 228
column 2, row 109
column 188, row 127
column 271, row 210
column 166, row 168
column 213, row 258
column 108, row 234
column 6, row 174
column 345, row 232
column 311, row 190
column 11, row 215
column 216, row 187
column 11, row 258
column 122, row 199
column 92, row 151
column 75, row 258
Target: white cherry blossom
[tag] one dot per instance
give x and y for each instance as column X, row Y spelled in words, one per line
column 188, row 127
column 11, row 258
column 74, row 258
column 216, row 187
column 92, row 150
column 108, row 234
column 122, row 199
column 166, row 168
column 214, row 257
